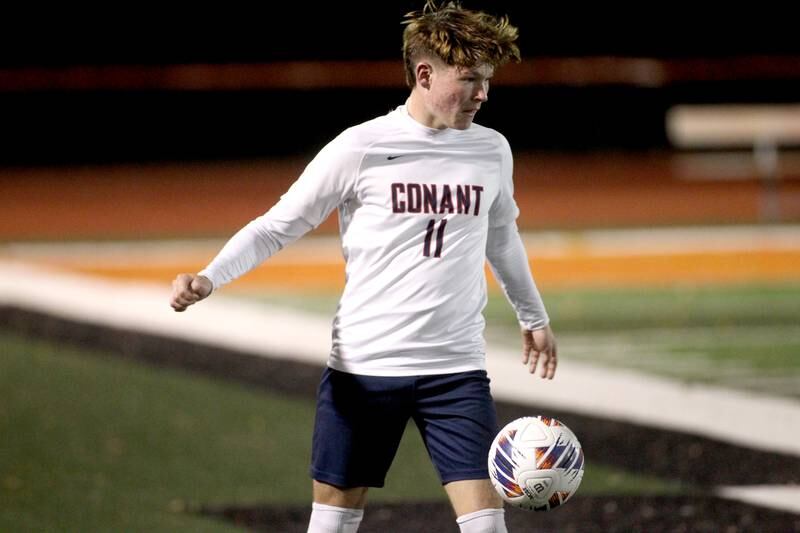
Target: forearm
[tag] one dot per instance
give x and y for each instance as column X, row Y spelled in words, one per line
column 252, row 245
column 509, row 263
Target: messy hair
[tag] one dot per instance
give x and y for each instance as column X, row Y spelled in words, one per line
column 459, row 37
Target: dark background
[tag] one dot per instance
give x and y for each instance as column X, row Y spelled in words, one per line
column 61, row 125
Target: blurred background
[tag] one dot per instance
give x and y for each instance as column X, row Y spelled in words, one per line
column 602, row 104
column 657, row 168
column 145, row 85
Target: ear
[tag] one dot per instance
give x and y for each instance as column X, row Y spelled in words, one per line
column 424, row 71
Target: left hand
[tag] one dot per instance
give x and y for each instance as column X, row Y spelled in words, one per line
column 539, row 349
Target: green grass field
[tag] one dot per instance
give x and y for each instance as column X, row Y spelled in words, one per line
column 743, row 336
column 615, row 309
column 740, row 336
column 91, row 442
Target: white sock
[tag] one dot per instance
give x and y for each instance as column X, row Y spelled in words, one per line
column 483, row 521
column 331, row 519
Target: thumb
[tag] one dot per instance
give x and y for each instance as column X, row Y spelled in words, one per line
column 201, row 286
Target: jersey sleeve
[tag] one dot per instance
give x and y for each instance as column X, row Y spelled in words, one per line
column 509, row 263
column 504, row 208
column 326, row 182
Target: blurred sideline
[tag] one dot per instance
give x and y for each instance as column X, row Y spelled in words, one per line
column 244, row 325
column 101, row 244
column 582, row 388
column 554, row 191
column 644, row 257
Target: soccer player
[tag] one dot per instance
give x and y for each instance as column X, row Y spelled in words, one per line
column 424, row 198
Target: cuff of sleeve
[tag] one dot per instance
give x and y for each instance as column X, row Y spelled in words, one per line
column 207, row 274
column 534, row 324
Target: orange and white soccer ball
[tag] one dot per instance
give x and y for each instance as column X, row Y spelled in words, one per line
column 536, row 463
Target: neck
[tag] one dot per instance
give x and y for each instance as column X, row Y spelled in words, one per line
column 418, row 110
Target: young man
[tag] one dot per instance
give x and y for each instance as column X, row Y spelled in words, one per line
column 424, row 197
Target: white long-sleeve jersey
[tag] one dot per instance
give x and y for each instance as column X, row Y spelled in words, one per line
column 417, row 207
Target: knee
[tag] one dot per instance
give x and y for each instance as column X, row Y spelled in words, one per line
column 351, row 498
column 469, row 496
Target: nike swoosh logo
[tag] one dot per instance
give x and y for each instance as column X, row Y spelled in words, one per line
column 390, row 157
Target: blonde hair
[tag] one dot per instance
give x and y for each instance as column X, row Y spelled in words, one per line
column 459, row 37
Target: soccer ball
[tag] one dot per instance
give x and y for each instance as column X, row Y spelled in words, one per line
column 536, row 463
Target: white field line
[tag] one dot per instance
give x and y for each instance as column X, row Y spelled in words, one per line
column 219, row 321
column 780, row 497
column 649, row 400
column 261, row 330
column 256, row 328
column 651, row 350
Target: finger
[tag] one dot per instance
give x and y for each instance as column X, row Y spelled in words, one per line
column 555, row 360
column 546, row 366
column 189, row 296
column 545, row 360
column 182, row 295
column 181, row 302
column 199, row 286
column 534, row 360
column 551, row 371
column 527, row 348
column 184, row 299
column 182, row 282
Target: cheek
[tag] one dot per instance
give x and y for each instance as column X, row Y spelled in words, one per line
column 452, row 99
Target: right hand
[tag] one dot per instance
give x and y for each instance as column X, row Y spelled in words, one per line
column 188, row 289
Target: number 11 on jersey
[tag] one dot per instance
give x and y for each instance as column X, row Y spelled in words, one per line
column 426, row 250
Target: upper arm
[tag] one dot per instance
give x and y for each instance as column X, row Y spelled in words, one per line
column 501, row 239
column 326, row 182
column 504, row 208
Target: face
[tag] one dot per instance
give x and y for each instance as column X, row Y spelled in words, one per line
column 453, row 95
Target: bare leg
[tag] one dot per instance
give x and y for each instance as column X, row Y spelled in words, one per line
column 478, row 507
column 336, row 510
column 353, row 498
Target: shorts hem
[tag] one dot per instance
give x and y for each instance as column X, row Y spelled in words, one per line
column 465, row 476
column 341, row 482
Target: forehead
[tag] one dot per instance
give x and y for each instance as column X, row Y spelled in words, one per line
column 483, row 70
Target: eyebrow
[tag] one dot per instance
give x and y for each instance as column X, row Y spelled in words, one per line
column 476, row 74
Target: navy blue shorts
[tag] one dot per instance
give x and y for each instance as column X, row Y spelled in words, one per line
column 360, row 421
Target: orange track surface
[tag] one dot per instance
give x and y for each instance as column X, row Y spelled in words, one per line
column 706, row 268
column 553, row 191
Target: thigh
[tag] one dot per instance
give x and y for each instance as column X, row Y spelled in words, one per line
column 456, row 416
column 359, row 423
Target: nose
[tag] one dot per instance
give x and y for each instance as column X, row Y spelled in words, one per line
column 482, row 94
